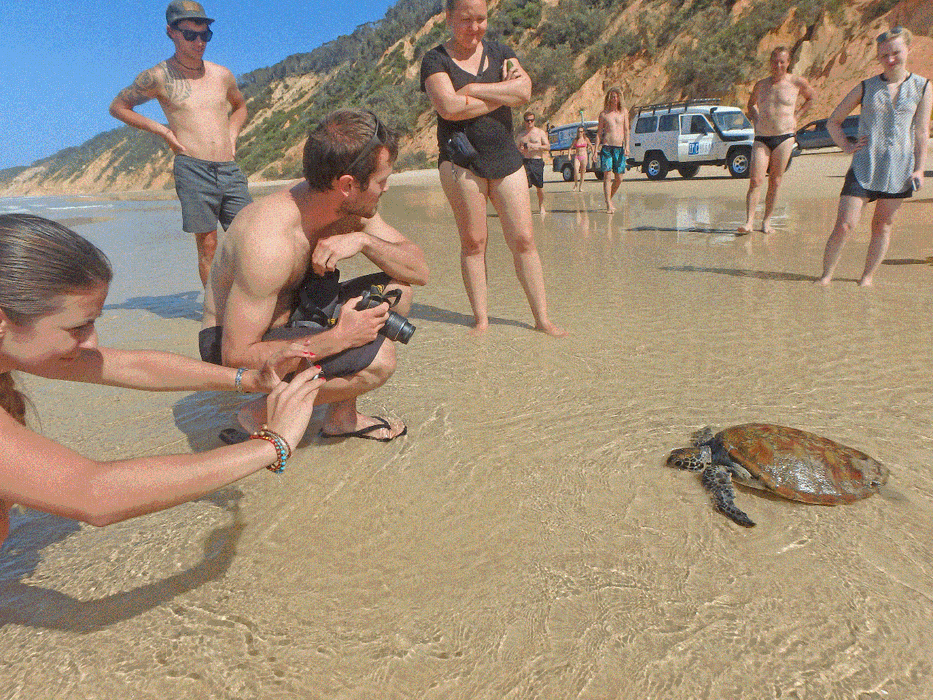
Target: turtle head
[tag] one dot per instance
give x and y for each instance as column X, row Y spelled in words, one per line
column 692, row 459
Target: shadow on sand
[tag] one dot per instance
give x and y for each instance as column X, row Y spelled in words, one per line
column 754, row 274
column 43, row 608
column 181, row 305
column 426, row 312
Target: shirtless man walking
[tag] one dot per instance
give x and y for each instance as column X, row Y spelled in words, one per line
column 282, row 254
column 534, row 144
column 205, row 112
column 611, row 144
column 772, row 107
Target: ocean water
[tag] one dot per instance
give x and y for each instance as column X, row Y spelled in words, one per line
column 525, row 540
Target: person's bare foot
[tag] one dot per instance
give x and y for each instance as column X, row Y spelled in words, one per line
column 865, row 282
column 551, row 330
column 478, row 329
column 746, row 228
column 824, row 281
column 610, row 209
column 766, row 226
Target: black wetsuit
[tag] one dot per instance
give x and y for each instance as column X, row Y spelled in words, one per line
column 490, row 134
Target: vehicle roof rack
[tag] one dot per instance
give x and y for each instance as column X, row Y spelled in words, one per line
column 683, row 104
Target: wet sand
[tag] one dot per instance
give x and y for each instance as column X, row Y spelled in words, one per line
column 525, row 540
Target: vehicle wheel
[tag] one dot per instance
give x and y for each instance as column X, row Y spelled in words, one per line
column 567, row 172
column 656, row 166
column 739, row 161
column 688, row 171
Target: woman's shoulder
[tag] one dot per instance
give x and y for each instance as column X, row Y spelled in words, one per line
column 496, row 49
column 438, row 53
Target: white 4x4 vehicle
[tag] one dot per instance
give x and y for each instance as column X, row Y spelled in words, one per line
column 686, row 135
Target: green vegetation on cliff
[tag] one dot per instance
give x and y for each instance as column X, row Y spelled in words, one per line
column 709, row 47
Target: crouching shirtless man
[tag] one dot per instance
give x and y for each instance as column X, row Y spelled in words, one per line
column 772, row 107
column 283, row 251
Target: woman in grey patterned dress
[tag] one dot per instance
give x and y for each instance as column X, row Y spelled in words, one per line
column 889, row 155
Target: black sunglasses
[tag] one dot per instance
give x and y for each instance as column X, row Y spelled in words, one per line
column 378, row 139
column 191, row 35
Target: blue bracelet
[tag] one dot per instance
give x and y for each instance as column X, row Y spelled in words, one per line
column 238, row 380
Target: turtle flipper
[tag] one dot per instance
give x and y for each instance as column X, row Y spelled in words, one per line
column 717, row 479
column 703, row 436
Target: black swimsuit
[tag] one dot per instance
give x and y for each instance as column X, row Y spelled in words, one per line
column 490, row 134
column 773, row 142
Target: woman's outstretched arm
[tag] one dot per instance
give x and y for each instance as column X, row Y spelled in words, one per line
column 42, row 474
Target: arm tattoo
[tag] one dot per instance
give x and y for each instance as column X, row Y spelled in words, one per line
column 140, row 91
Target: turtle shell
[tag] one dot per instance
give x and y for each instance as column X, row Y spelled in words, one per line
column 802, row 466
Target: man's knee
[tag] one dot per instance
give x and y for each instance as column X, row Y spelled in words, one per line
column 403, row 306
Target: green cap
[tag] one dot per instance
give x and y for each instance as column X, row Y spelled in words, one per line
column 185, row 9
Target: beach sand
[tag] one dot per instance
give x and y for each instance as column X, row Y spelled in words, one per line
column 525, row 540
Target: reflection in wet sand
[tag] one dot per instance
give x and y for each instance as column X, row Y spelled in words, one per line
column 526, row 539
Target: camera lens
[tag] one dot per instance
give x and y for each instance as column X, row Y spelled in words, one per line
column 397, row 327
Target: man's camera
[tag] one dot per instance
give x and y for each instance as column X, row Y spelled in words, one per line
column 397, row 327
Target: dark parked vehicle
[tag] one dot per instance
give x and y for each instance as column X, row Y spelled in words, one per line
column 816, row 135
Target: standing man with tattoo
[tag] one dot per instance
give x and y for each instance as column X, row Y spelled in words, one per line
column 772, row 107
column 611, row 143
column 205, row 112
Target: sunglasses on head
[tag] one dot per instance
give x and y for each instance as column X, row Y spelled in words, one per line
column 378, row 139
column 191, row 35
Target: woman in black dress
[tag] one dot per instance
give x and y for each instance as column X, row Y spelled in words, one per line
column 473, row 84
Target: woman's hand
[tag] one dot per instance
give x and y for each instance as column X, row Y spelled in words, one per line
column 290, row 404
column 265, row 380
column 858, row 145
column 510, row 70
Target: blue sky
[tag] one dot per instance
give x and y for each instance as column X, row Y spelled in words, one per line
column 62, row 62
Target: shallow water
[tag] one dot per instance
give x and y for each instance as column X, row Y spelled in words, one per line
column 525, row 540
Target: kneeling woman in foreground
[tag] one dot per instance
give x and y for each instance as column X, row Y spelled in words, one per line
column 473, row 83
column 53, row 284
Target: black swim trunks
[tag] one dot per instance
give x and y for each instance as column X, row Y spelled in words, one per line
column 326, row 293
column 534, row 169
column 852, row 188
column 773, row 142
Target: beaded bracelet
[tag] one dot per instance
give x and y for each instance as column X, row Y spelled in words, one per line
column 238, row 380
column 282, row 449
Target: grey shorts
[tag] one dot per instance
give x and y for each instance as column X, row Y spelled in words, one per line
column 209, row 192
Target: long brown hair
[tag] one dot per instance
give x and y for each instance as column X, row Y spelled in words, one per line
column 613, row 91
column 40, row 260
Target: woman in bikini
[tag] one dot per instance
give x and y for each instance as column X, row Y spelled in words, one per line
column 473, row 84
column 890, row 154
column 53, row 284
column 580, row 150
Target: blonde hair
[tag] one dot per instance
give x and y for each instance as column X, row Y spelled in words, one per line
column 894, row 33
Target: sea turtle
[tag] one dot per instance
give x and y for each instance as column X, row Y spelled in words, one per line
column 791, row 463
